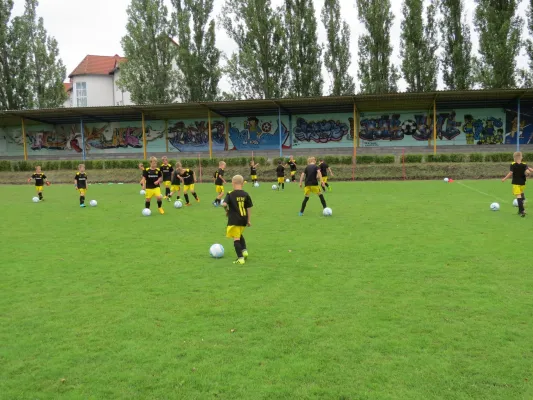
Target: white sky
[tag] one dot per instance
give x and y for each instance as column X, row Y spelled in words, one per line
column 97, row 26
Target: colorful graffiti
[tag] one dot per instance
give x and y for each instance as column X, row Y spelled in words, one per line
column 257, row 134
column 526, row 128
column 194, row 135
column 323, row 131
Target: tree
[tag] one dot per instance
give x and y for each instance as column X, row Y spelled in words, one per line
column 337, row 58
column 6, row 77
column 418, row 47
column 259, row 68
column 305, row 53
column 457, row 55
column 148, row 74
column 499, row 43
column 527, row 75
column 376, row 72
column 198, row 58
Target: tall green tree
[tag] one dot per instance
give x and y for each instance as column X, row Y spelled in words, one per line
column 6, row 93
column 305, row 64
column 149, row 74
column 418, row 46
column 499, row 43
column 198, row 58
column 456, row 58
column 337, row 57
column 527, row 75
column 259, row 68
column 377, row 74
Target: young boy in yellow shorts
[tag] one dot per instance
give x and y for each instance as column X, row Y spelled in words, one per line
column 175, row 186
column 280, row 173
column 152, row 178
column 219, row 183
column 189, row 179
column 166, row 170
column 313, row 178
column 40, row 181
column 237, row 204
column 292, row 166
column 253, row 171
column 518, row 171
column 80, row 183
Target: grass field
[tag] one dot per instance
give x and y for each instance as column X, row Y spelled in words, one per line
column 411, row 290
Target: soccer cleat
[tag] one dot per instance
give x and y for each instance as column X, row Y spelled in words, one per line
column 166, row 197
column 82, row 205
column 188, row 204
column 198, row 200
column 301, row 214
column 215, row 204
column 239, row 261
column 161, row 211
column 245, row 253
column 523, row 214
column 169, row 199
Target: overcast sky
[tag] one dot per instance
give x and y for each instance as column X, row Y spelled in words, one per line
column 96, row 27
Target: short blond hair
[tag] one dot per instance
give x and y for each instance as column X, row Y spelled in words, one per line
column 178, row 165
column 153, row 158
column 517, row 155
column 238, row 179
column 221, row 163
column 81, row 165
column 311, row 160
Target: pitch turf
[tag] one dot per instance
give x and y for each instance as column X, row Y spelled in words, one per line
column 412, row 290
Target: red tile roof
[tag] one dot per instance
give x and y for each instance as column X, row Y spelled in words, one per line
column 96, row 65
column 67, row 86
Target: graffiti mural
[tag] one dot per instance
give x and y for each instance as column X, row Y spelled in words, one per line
column 258, row 133
column 525, row 135
column 322, row 130
column 193, row 136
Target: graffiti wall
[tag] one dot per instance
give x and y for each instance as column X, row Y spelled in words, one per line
column 310, row 131
column 526, row 128
column 454, row 127
column 193, row 135
column 258, row 133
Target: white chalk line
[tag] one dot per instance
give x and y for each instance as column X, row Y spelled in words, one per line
column 479, row 191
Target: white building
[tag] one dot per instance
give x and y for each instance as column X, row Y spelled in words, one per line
column 94, row 83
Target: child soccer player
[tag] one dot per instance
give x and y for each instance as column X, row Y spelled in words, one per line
column 237, row 204
column 80, row 183
column 518, row 171
column 189, row 179
column 141, row 167
column 152, row 178
column 280, row 173
column 312, row 177
column 292, row 165
column 40, row 180
column 166, row 169
column 219, row 182
column 324, row 168
column 175, row 183
column 253, row 171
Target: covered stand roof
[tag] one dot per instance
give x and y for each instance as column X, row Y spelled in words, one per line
column 445, row 100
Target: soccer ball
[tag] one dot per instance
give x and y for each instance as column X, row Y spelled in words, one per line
column 446, row 180
column 147, row 212
column 494, row 206
column 515, row 202
column 409, row 127
column 178, row 204
column 93, row 203
column 35, row 199
column 274, row 187
column 287, row 180
column 327, row 212
column 216, row 251
column 223, row 204
column 142, row 192
column 256, row 184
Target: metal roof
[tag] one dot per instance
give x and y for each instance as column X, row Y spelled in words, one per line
column 445, row 100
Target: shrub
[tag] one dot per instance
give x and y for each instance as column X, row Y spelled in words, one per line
column 98, row 164
column 5, row 165
column 528, row 156
column 384, row 159
column 499, row 157
column 331, row 160
column 50, row 165
column 438, row 158
column 25, row 165
column 301, row 160
column 457, row 158
column 413, row 158
column 346, row 160
column 476, row 157
column 260, row 160
column 365, row 159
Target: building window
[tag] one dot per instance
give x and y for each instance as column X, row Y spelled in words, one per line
column 81, row 94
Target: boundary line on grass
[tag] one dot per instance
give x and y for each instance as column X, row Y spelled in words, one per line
column 479, row 191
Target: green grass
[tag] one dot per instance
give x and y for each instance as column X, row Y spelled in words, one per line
column 412, row 290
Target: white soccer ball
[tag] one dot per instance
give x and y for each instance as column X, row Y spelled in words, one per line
column 446, row 180
column 216, row 251
column 142, row 192
column 274, row 187
column 178, row 204
column 327, row 212
column 515, row 202
column 35, row 199
column 93, row 203
column 256, row 184
column 287, row 180
column 494, row 206
column 147, row 212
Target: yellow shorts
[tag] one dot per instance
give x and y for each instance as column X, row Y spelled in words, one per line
column 312, row 189
column 175, row 188
column 188, row 187
column 153, row 192
column 293, row 173
column 254, row 177
column 82, row 191
column 281, row 180
column 233, row 231
column 325, row 179
column 518, row 189
column 167, row 183
column 39, row 188
column 219, row 188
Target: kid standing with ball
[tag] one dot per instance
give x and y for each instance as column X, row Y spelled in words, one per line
column 313, row 177
column 518, row 171
column 40, row 180
column 80, row 183
column 152, row 178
